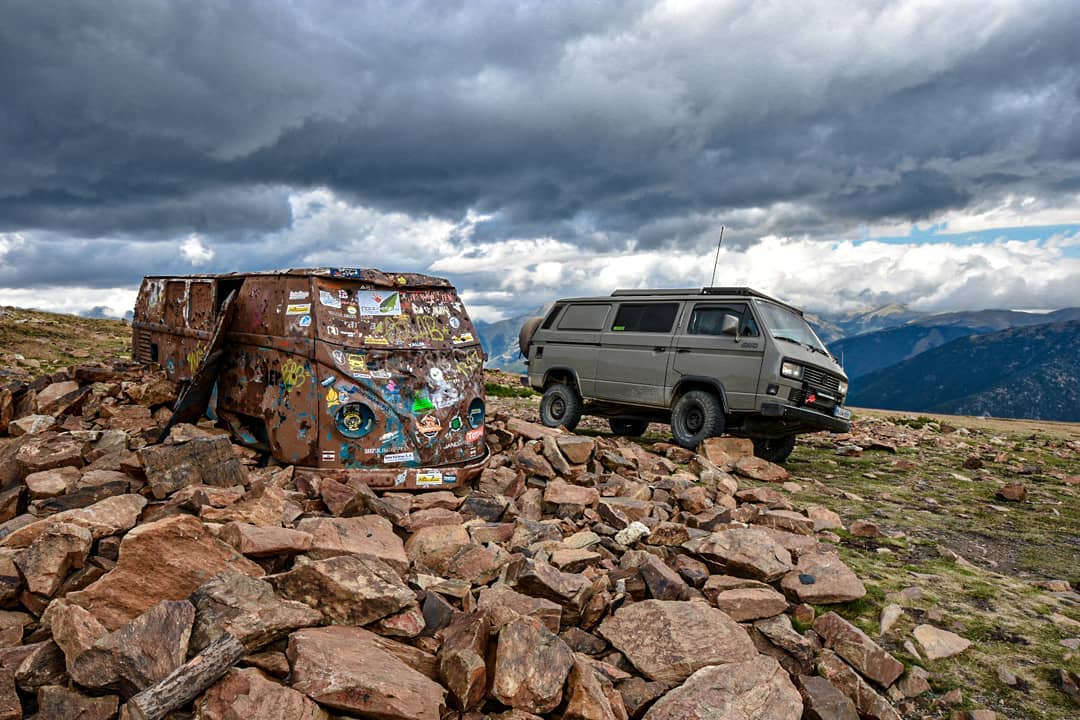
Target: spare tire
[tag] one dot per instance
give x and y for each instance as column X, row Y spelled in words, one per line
column 525, row 335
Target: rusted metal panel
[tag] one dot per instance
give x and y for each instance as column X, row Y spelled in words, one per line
column 355, row 373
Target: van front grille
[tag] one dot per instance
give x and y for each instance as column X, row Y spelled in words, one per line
column 821, row 381
column 142, row 346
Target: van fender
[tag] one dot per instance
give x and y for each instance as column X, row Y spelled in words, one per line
column 560, row 370
column 712, row 382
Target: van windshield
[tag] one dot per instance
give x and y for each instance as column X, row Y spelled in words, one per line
column 786, row 325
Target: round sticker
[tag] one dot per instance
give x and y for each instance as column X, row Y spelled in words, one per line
column 305, row 321
column 455, row 323
column 355, row 420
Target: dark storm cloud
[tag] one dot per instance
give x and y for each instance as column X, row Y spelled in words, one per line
column 600, row 123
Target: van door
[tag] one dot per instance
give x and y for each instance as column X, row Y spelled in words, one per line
column 634, row 352
column 703, row 350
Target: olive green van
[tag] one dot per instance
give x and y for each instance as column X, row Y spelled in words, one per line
column 710, row 361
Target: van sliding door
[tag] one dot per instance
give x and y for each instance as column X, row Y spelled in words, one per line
column 634, row 353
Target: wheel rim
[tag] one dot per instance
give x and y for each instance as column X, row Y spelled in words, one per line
column 695, row 420
column 557, row 408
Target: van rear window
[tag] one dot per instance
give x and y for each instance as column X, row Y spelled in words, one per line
column 645, row 317
column 584, row 317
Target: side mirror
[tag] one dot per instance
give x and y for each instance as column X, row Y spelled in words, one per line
column 730, row 325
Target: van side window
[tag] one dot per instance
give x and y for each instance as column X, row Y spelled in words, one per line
column 645, row 317
column 709, row 319
column 584, row 317
column 552, row 317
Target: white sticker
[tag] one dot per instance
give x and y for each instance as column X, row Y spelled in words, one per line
column 379, row 303
column 399, row 457
column 328, row 455
column 455, row 323
column 304, row 309
column 429, row 477
column 329, row 300
column 298, row 295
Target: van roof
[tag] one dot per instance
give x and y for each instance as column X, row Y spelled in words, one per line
column 368, row 276
column 684, row 294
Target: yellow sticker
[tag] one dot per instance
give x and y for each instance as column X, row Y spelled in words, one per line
column 433, row 477
column 304, row 309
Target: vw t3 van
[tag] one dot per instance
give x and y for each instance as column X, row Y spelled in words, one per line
column 350, row 373
column 710, row 361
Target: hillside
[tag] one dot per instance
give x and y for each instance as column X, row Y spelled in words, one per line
column 863, row 354
column 500, row 342
column 33, row 342
column 1028, row 372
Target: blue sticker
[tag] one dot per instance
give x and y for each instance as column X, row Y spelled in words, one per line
column 305, row 321
column 476, row 413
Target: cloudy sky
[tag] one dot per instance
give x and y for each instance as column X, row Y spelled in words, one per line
column 856, row 153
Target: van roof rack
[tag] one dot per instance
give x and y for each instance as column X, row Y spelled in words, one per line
column 741, row 290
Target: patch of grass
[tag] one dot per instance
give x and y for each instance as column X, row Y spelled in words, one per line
column 508, row 391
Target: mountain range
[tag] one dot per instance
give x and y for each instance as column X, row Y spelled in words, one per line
column 903, row 359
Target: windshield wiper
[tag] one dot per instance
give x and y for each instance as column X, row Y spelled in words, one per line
column 789, row 339
column 808, row 346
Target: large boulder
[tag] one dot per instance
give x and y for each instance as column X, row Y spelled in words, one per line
column 247, row 694
column 750, row 551
column 669, row 640
column 531, row 665
column 367, row 536
column 754, row 689
column 820, row 578
column 346, row 589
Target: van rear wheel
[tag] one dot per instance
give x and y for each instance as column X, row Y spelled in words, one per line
column 561, row 405
column 628, row 427
column 697, row 415
column 775, row 450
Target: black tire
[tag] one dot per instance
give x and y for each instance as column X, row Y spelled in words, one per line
column 775, row 450
column 561, row 405
column 628, row 427
column 525, row 335
column 697, row 415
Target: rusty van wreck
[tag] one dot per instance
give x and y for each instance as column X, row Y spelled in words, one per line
column 348, row 373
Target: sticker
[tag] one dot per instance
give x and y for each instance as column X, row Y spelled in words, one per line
column 476, row 413
column 429, row 425
column 455, row 423
column 462, row 338
column 328, row 455
column 305, row 321
column 399, row 457
column 401, row 280
column 422, row 404
column 345, row 272
column 375, row 341
column 327, row 381
column 380, row 374
column 357, row 363
column 474, row 436
column 449, row 479
column 304, row 309
column 329, row 300
column 455, row 323
column 351, row 309
column 429, row 477
column 379, row 304
column 298, row 294
column 339, row 357
column 400, row 479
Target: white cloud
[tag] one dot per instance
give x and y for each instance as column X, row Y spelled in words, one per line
column 195, row 251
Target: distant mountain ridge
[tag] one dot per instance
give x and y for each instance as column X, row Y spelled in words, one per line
column 1025, row 372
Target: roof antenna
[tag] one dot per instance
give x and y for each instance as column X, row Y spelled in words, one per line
column 717, row 261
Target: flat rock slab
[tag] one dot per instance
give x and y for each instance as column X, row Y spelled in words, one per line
column 60, row 548
column 504, row 605
column 744, row 551
column 59, row 702
column 855, row 646
column 347, row 669
column 869, row 704
column 762, row 470
column 531, row 665
column 822, row 578
column 937, row 643
column 163, row 560
column 669, row 640
column 755, row 689
column 247, row 694
column 106, row 517
column 743, row 604
column 367, row 536
column 248, row 609
column 348, row 589
column 823, row 701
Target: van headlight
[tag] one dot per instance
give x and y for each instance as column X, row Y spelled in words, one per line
column 791, row 370
column 842, row 387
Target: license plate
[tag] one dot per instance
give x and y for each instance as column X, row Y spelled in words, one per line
column 842, row 413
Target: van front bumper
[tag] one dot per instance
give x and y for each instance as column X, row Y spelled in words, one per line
column 805, row 417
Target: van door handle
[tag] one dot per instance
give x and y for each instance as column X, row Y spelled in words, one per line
column 658, row 348
column 683, row 350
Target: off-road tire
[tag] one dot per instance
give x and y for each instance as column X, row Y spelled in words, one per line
column 628, row 427
column 775, row 450
column 525, row 335
column 696, row 415
column 561, row 405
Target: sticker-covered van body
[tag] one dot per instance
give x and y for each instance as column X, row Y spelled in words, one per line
column 356, row 373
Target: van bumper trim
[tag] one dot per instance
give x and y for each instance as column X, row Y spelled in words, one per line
column 405, row 478
column 805, row 416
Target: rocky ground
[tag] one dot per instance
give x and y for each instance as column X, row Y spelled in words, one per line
column 583, row 576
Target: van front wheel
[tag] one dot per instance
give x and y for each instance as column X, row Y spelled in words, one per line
column 561, row 405
column 697, row 415
column 775, row 450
